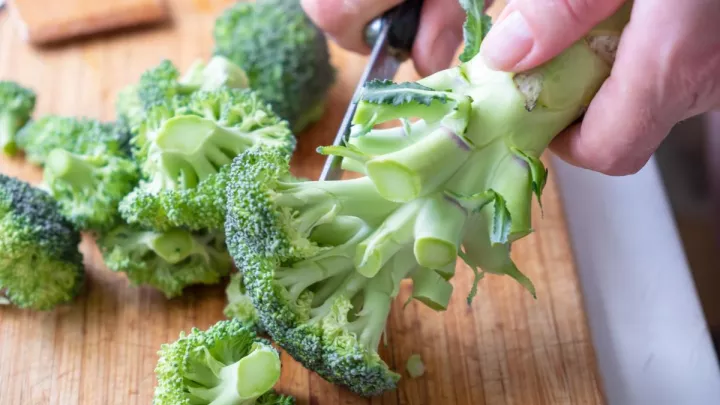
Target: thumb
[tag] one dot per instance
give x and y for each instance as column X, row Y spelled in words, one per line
column 530, row 32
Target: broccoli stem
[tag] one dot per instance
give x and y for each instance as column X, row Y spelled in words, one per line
column 392, row 236
column 173, row 246
column 431, row 289
column 438, row 232
column 352, row 284
column 377, row 299
column 355, row 198
column 8, row 128
column 388, row 140
column 303, row 275
column 69, row 168
column 242, row 382
column 420, row 168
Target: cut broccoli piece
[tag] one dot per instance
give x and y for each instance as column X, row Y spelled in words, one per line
column 226, row 364
column 239, row 304
column 41, row 266
column 17, row 103
column 185, row 148
column 285, row 56
column 322, row 261
column 82, row 136
column 88, row 168
column 297, row 244
column 167, row 261
column 415, row 366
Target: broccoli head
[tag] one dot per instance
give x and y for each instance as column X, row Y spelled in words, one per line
column 164, row 82
column 88, row 167
column 300, row 246
column 227, row 364
column 17, row 104
column 168, row 261
column 285, row 56
column 185, row 149
column 40, row 262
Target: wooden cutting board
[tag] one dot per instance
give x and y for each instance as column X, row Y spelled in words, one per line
column 504, row 349
column 43, row 21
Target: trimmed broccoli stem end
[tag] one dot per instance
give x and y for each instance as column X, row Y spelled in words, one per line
column 8, row 130
column 244, row 381
column 174, row 246
column 438, row 231
column 70, row 169
column 194, row 148
column 431, row 289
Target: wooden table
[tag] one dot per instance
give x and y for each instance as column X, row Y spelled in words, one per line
column 504, row 349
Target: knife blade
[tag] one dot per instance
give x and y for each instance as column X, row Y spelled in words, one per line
column 391, row 37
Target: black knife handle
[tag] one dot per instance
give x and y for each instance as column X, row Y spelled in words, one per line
column 404, row 20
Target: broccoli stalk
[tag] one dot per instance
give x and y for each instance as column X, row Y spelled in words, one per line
column 226, row 364
column 17, row 104
column 473, row 155
column 184, row 148
column 322, row 261
column 239, row 304
column 297, row 244
column 168, row 261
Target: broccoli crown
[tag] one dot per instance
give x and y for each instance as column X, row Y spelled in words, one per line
column 184, row 148
column 40, row 263
column 89, row 188
column 227, row 364
column 17, row 104
column 239, row 304
column 160, row 84
column 82, row 136
column 285, row 56
column 167, row 261
column 297, row 246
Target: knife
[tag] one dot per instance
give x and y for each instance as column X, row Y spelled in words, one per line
column 391, row 37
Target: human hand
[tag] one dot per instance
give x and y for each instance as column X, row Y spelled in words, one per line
column 667, row 69
column 438, row 38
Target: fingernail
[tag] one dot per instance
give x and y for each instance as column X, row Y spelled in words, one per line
column 443, row 50
column 507, row 43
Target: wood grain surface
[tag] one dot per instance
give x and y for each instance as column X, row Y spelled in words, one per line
column 505, row 349
column 43, row 22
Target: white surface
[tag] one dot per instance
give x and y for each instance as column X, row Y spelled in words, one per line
column 651, row 339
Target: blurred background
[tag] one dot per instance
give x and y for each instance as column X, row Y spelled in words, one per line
column 689, row 162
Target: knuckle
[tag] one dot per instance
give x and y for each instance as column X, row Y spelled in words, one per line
column 329, row 16
column 578, row 12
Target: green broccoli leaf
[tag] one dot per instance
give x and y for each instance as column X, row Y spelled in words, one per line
column 389, row 92
column 476, row 26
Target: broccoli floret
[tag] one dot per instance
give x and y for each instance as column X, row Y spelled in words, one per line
column 297, row 245
column 82, row 136
column 88, row 167
column 239, row 304
column 40, row 262
column 227, row 364
column 164, row 82
column 168, row 261
column 17, row 104
column 129, row 108
column 185, row 148
column 285, row 56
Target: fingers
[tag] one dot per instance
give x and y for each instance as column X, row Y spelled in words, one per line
column 345, row 20
column 666, row 70
column 439, row 37
column 530, row 32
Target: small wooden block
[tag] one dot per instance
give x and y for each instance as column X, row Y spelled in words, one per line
column 46, row 21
